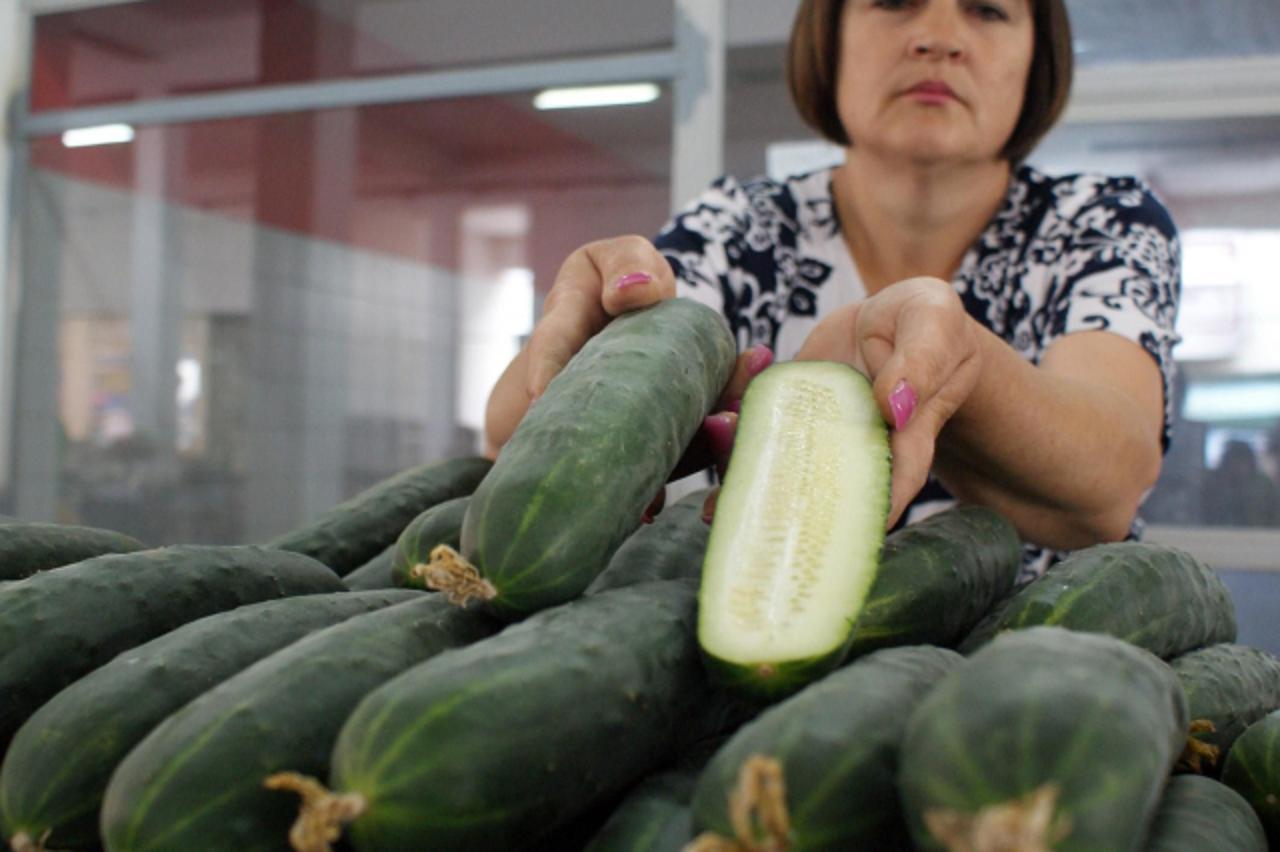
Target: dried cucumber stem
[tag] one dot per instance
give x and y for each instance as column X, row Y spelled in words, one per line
column 1022, row 825
column 451, row 574
column 323, row 813
column 23, row 842
column 1196, row 752
column 757, row 810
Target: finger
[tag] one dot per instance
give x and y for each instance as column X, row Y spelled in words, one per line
column 710, row 446
column 655, row 506
column 709, row 505
column 912, row 450
column 572, row 313
column 913, row 360
column 634, row 274
column 720, row 430
column 749, row 365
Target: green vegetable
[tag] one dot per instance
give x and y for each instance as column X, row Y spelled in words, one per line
column 654, row 817
column 1253, row 770
column 799, row 524
column 196, row 781
column 938, row 578
column 1156, row 597
column 835, row 746
column 441, row 524
column 26, row 548
column 1062, row 739
column 59, row 762
column 587, row 459
column 1198, row 814
column 61, row 624
column 670, row 548
column 493, row 746
column 374, row 574
column 1228, row 688
column 350, row 534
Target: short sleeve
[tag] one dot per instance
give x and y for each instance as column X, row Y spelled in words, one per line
column 1122, row 274
column 694, row 241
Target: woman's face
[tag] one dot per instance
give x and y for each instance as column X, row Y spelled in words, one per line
column 933, row 80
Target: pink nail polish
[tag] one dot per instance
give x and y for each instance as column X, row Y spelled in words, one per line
column 735, row 406
column 633, row 279
column 761, row 357
column 719, row 431
column 902, row 402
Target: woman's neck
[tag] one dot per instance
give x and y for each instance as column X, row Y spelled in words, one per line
column 903, row 220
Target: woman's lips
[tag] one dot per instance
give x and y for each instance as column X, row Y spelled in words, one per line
column 931, row 92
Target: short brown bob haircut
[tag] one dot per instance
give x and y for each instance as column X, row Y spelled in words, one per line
column 814, row 55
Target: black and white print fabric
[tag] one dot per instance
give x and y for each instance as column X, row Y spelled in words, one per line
column 1064, row 254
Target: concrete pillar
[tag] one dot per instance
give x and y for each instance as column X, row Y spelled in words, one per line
column 14, row 75
column 156, row 295
column 299, row 340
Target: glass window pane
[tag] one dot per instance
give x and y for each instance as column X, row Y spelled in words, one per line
column 180, row 47
column 258, row 318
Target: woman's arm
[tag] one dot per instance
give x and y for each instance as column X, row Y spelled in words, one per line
column 1065, row 449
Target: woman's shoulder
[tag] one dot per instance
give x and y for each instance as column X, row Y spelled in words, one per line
column 758, row 191
column 1077, row 194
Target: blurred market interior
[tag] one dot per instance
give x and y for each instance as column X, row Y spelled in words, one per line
column 263, row 253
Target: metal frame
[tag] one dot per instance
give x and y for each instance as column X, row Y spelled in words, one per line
column 695, row 67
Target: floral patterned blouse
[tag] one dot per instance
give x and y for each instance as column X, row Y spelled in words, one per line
column 1073, row 253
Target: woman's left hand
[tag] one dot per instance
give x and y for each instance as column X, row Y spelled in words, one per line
column 923, row 355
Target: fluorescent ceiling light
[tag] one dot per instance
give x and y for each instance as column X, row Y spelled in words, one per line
column 597, row 96
column 103, row 134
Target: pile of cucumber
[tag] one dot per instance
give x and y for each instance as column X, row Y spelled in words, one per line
column 493, row 656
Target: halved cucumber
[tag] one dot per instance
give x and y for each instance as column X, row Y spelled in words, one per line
column 800, row 521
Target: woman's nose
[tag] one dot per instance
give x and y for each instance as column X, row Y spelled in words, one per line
column 937, row 33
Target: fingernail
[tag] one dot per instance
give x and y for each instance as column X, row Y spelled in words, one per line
column 902, row 402
column 761, row 356
column 719, row 430
column 633, row 279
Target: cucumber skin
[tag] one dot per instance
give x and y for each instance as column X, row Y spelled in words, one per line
column 441, row 524
column 355, row 531
column 938, row 578
column 515, row 737
column 999, row 726
column 1159, row 598
column 769, row 681
column 1231, row 686
column 838, row 742
column 374, row 574
column 200, row 772
column 577, row 474
column 61, row 624
column 1198, row 814
column 670, row 548
column 654, row 817
column 1253, row 770
column 60, row 761
column 28, row 548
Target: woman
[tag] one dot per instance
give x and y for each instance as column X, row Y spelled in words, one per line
column 1017, row 327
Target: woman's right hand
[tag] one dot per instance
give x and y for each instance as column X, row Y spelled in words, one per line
column 596, row 283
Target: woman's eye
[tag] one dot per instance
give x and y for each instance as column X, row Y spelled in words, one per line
column 990, row 12
column 889, row 4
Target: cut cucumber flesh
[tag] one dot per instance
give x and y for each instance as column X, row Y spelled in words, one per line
column 800, row 521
